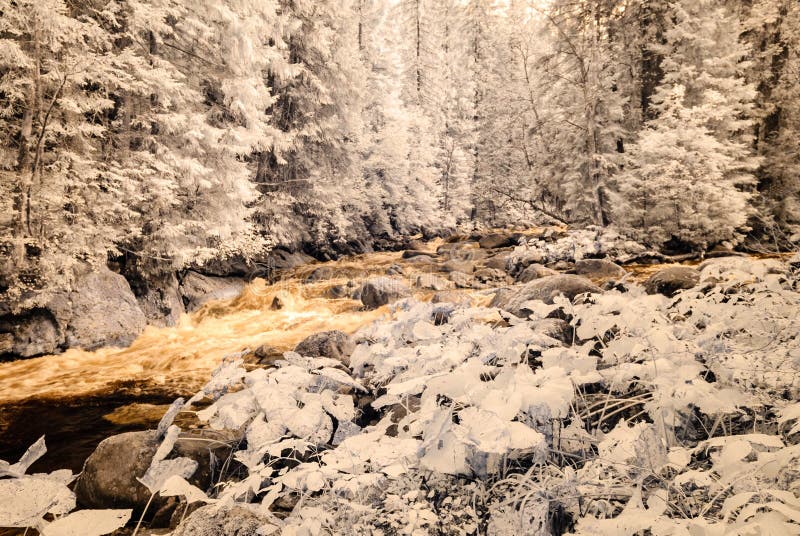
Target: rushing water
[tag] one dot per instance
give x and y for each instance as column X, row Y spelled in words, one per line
column 77, row 398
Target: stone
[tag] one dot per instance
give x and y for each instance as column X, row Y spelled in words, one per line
column 420, row 259
column 491, row 276
column 103, row 311
column 544, row 289
column 499, row 261
column 265, row 355
column 161, row 301
column 433, row 282
column 669, row 281
column 599, row 269
column 321, row 273
column 30, row 334
column 556, row 328
column 198, row 289
column 109, row 476
column 534, row 271
column 379, row 291
column 211, row 520
column 450, row 296
column 498, row 240
column 395, row 269
column 411, row 253
column 455, row 265
column 334, row 344
column 462, row 280
column 281, row 259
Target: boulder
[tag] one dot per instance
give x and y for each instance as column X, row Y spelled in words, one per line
column 491, row 276
column 599, row 269
column 342, row 291
column 321, row 273
column 109, row 476
column 211, row 520
column 450, row 296
column 395, row 269
column 379, row 291
column 30, row 334
column 198, row 289
column 281, row 259
column 525, row 257
column 545, row 289
column 411, row 253
column 420, row 259
column 455, row 265
column 264, row 356
column 556, row 328
column 669, row 281
column 433, row 282
column 499, row 261
column 103, row 311
column 498, row 240
column 334, row 344
column 462, row 280
column 456, row 248
column 534, row 271
column 161, row 301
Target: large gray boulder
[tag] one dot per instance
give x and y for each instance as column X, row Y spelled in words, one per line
column 334, row 344
column 545, row 289
column 599, row 269
column 211, row 520
column 669, row 281
column 379, row 291
column 103, row 311
column 456, row 265
column 281, row 259
column 109, row 476
column 197, row 289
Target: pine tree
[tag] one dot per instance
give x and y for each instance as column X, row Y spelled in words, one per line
column 685, row 175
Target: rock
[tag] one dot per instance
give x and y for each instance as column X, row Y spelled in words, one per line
column 462, row 280
column 379, row 291
column 281, row 259
column 334, row 344
column 411, row 253
column 491, row 276
column 544, row 289
column 498, row 240
column 30, row 334
column 160, row 301
column 556, row 328
column 103, row 311
column 455, row 248
column 499, row 261
column 395, row 269
column 265, row 355
column 211, row 520
column 320, row 274
column 420, row 259
column 450, row 296
column 198, row 289
column 414, row 244
column 534, row 271
column 109, row 476
column 669, row 281
column 342, row 291
column 277, row 304
column 433, row 282
column 525, row 257
column 454, row 265
column 599, row 269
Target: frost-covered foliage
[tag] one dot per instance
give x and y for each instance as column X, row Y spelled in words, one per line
column 664, row 416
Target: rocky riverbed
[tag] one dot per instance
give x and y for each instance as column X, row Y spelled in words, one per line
column 536, row 382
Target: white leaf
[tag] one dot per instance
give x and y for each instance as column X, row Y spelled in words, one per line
column 88, row 523
column 176, row 485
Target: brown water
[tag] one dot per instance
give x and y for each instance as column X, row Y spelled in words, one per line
column 79, row 397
